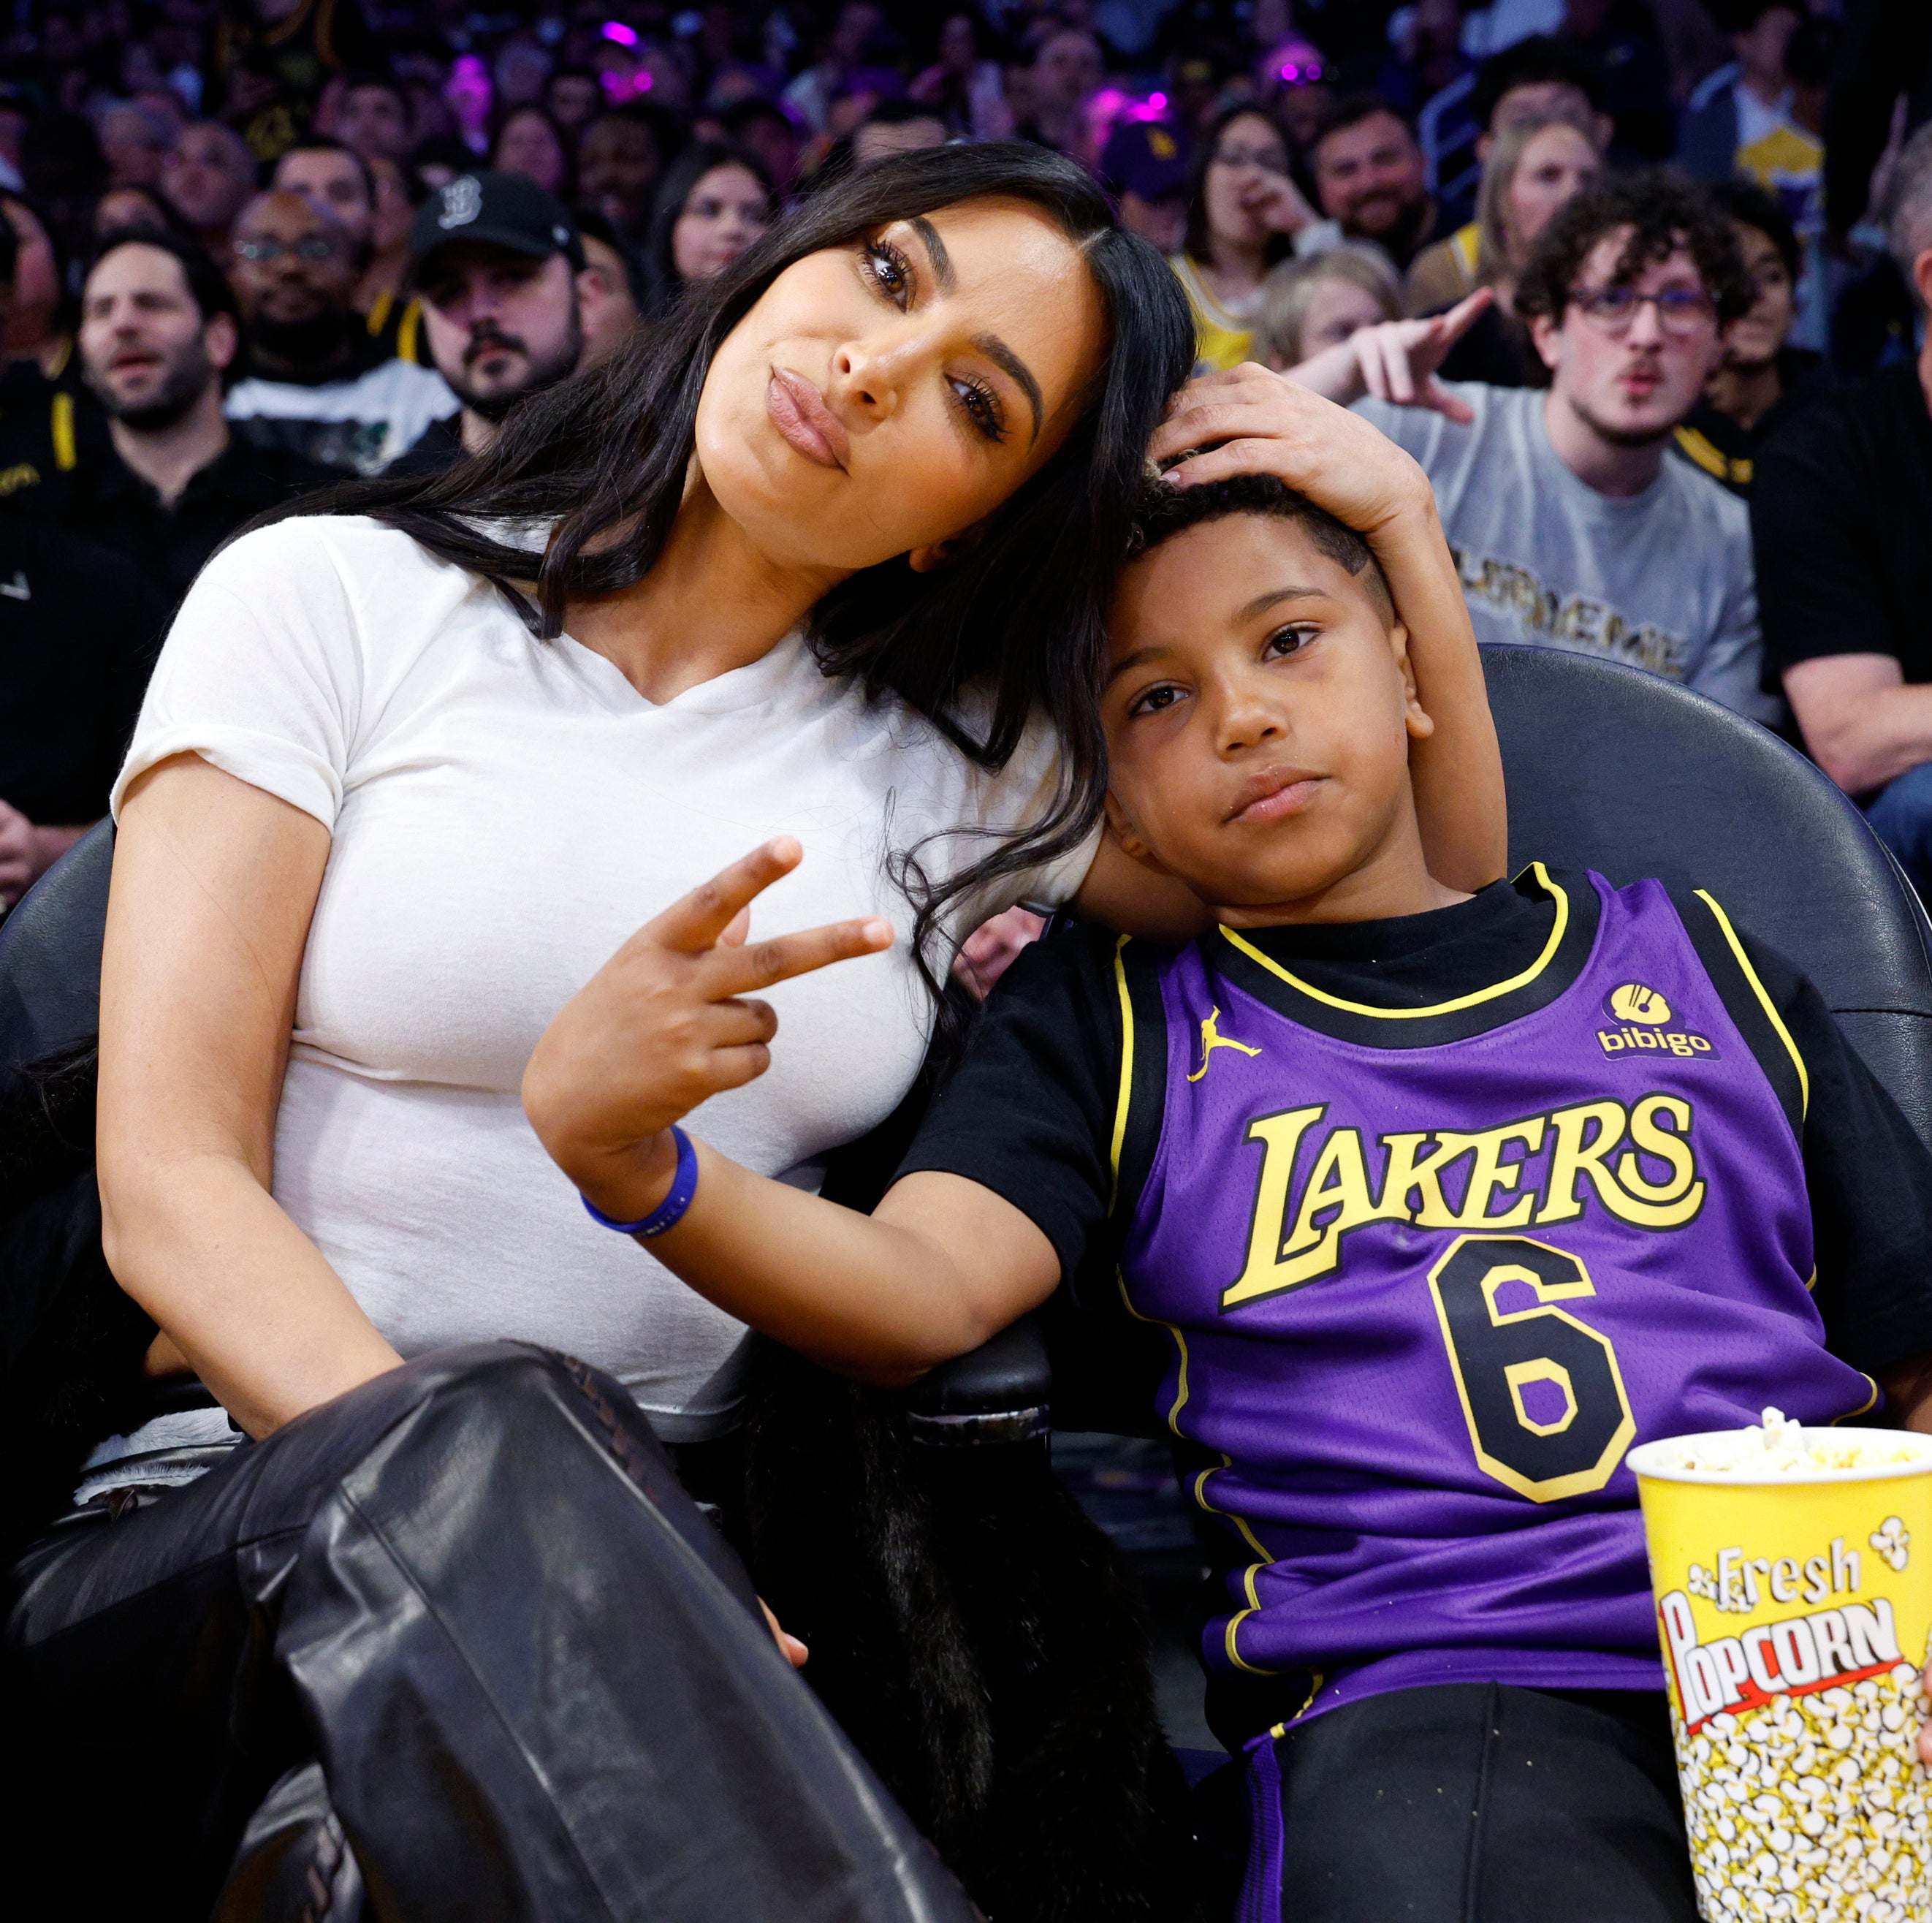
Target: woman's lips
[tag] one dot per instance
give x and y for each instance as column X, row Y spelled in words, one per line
column 1276, row 796
column 798, row 412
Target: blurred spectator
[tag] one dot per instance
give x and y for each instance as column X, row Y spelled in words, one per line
column 1569, row 526
column 159, row 331
column 520, row 74
column 339, row 183
column 79, row 626
column 132, row 207
column 37, row 338
column 1145, row 167
column 1888, row 52
column 316, row 382
column 373, row 118
column 1744, row 102
column 714, row 201
column 208, row 177
column 963, row 83
column 1312, row 305
column 1295, row 82
column 1067, row 71
column 500, row 270
column 1620, row 37
column 1426, row 55
column 135, row 140
column 1840, row 509
column 1537, row 76
column 773, row 134
column 859, row 23
column 618, row 165
column 573, row 96
column 435, row 163
column 271, row 59
column 530, row 143
column 1762, row 381
column 1244, row 213
column 896, row 126
column 1370, row 176
column 1533, row 167
column 616, row 312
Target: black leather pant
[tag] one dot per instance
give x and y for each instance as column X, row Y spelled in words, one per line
column 534, row 1678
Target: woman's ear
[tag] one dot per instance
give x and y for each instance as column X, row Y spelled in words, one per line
column 948, row 553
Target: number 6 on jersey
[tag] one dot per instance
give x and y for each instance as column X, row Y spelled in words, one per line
column 1541, row 1391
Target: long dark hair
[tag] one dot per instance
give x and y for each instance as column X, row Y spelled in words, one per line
column 1198, row 243
column 601, row 460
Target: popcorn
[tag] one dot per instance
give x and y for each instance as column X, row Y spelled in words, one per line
column 1786, row 1822
column 1795, row 1614
column 1781, row 1447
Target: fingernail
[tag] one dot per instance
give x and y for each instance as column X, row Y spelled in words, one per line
column 879, row 931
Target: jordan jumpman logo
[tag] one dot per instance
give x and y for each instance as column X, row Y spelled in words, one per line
column 1212, row 1038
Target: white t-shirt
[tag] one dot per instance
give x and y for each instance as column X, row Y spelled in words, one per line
column 361, row 423
column 506, row 812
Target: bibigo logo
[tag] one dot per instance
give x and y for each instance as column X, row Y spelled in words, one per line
column 1643, row 1015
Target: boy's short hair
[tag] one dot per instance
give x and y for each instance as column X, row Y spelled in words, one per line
column 1663, row 211
column 1165, row 511
column 1289, row 290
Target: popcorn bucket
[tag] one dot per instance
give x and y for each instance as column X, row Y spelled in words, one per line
column 1793, row 1576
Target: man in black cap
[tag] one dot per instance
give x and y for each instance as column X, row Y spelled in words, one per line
column 500, row 267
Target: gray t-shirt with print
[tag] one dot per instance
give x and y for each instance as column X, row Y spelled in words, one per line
column 1662, row 580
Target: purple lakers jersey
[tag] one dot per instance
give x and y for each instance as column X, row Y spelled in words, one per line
column 1431, row 1272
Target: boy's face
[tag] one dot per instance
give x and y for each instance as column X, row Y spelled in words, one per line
column 1259, row 712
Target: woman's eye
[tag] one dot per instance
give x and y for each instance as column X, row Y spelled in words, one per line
column 891, row 269
column 982, row 408
column 1155, row 700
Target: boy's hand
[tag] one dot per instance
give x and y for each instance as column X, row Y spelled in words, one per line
column 1255, row 422
column 666, row 1023
column 1396, row 360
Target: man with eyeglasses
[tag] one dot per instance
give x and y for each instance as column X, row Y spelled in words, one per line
column 1570, row 527
column 314, row 380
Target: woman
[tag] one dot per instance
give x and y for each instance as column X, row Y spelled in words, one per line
column 1307, row 305
column 1244, row 214
column 1535, row 165
column 967, row 90
column 1762, row 381
column 825, row 556
column 715, row 201
column 528, row 142
column 37, row 332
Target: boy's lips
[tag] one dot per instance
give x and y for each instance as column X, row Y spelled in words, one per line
column 807, row 425
column 1273, row 793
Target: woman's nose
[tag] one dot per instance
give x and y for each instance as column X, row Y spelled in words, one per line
column 870, row 374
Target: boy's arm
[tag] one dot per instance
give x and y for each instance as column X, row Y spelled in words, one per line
column 945, row 1262
column 1254, row 421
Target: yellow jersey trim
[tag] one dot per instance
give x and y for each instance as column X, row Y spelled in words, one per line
column 378, row 316
column 1764, row 1001
column 61, row 424
column 406, row 334
column 1467, row 243
column 1126, row 1095
column 1558, row 929
column 1863, row 1408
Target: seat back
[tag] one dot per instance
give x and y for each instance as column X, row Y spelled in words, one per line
column 1614, row 769
column 50, row 953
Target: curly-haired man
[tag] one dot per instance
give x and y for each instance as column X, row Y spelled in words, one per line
column 1571, row 527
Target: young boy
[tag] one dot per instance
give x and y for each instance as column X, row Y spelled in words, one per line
column 1446, row 1199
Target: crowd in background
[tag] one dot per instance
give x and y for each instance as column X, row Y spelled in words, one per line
column 1642, row 284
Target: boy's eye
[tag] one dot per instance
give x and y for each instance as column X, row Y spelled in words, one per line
column 1156, row 700
column 1285, row 642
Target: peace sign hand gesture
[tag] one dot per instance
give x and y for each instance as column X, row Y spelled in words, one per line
column 670, row 1019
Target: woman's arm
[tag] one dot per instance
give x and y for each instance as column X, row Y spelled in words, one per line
column 214, row 881
column 1254, row 421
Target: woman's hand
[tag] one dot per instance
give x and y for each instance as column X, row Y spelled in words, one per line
column 664, row 1024
column 1251, row 421
column 1280, row 205
column 1396, row 361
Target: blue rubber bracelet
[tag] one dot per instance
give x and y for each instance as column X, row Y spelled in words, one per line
column 670, row 1212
